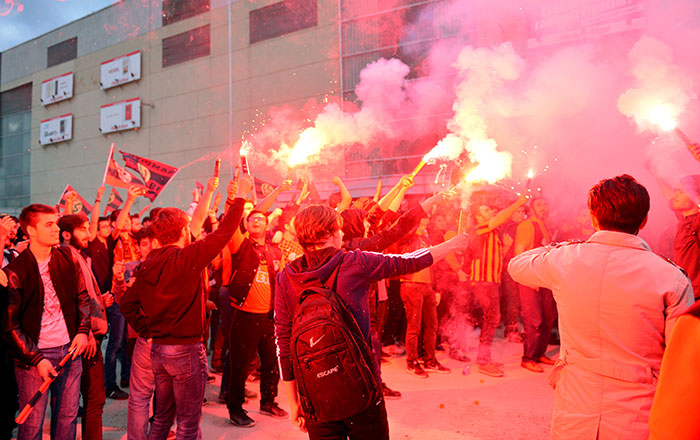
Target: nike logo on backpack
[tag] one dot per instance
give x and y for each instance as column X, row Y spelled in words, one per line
column 312, row 342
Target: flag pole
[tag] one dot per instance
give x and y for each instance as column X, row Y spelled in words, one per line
column 63, row 193
column 109, row 158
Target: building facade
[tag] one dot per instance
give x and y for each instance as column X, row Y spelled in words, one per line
column 188, row 79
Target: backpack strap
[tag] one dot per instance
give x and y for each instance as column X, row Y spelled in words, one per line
column 330, row 284
column 332, row 281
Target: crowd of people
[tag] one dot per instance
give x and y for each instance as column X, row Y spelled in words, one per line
column 174, row 297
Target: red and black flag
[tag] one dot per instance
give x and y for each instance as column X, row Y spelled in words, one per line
column 117, row 175
column 155, row 175
column 262, row 188
column 114, row 202
column 79, row 205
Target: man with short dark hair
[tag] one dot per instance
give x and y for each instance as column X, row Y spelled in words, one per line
column 319, row 232
column 75, row 234
column 485, row 275
column 618, row 302
column 250, row 280
column 141, row 380
column 686, row 246
column 167, row 303
column 8, row 234
column 537, row 308
column 48, row 317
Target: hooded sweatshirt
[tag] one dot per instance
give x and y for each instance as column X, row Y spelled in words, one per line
column 357, row 270
column 167, row 300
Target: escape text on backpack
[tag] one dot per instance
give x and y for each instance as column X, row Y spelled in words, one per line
column 333, row 364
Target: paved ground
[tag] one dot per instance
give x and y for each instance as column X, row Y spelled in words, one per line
column 443, row 406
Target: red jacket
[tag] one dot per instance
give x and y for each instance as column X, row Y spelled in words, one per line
column 167, row 300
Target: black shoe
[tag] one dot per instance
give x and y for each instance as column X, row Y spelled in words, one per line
column 240, row 418
column 436, row 367
column 117, row 394
column 210, row 379
column 458, row 356
column 415, row 369
column 390, row 394
column 250, row 394
column 273, row 410
column 124, row 383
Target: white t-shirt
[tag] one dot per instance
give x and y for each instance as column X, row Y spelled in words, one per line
column 54, row 332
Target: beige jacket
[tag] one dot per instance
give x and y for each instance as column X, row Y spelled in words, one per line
column 617, row 303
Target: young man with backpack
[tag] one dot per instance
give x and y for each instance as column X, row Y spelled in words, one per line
column 322, row 326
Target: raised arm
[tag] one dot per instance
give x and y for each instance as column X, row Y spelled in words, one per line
column 378, row 193
column 379, row 266
column 123, row 218
column 385, row 202
column 202, row 209
column 266, row 203
column 237, row 239
column 200, row 253
column 304, row 194
column 71, row 197
column 505, row 214
column 95, row 215
column 346, row 197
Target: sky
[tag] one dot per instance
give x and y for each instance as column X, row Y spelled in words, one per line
column 23, row 20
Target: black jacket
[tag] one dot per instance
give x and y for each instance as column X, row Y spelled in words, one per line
column 244, row 266
column 22, row 318
column 382, row 240
column 167, row 300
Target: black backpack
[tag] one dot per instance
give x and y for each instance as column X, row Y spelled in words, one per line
column 333, row 364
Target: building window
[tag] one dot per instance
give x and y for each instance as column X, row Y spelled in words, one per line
column 186, row 46
column 177, row 10
column 15, row 138
column 282, row 18
column 62, row 52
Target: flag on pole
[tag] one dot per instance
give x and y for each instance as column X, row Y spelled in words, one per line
column 117, row 175
column 80, row 204
column 156, row 175
column 262, row 188
column 114, row 202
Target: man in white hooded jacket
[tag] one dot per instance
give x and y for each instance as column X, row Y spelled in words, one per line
column 617, row 303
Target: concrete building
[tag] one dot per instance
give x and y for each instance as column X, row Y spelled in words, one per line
column 210, row 70
column 281, row 53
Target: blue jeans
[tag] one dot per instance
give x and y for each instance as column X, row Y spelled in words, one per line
column 65, row 398
column 141, row 389
column 114, row 345
column 538, row 312
column 180, row 373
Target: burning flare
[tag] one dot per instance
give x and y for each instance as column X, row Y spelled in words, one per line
column 308, row 147
column 660, row 116
column 492, row 165
column 245, row 148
